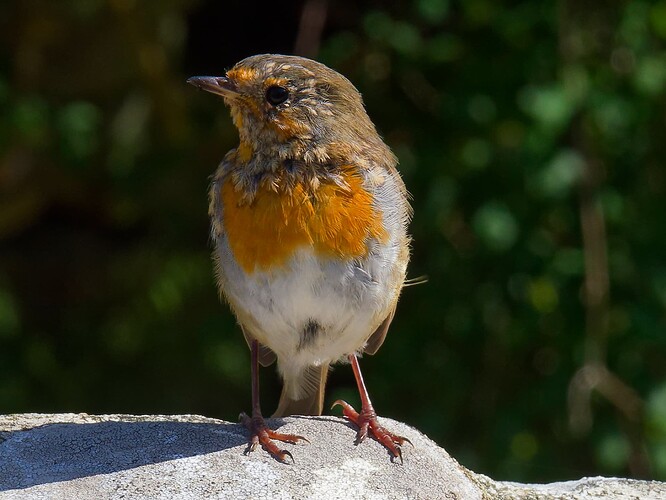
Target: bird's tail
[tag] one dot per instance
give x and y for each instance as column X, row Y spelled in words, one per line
column 303, row 395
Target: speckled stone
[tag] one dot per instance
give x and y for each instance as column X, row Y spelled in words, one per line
column 79, row 456
column 190, row 457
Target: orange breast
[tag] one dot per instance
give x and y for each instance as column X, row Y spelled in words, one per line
column 335, row 221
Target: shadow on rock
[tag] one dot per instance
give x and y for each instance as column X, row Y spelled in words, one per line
column 61, row 452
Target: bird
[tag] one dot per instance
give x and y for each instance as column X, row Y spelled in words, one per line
column 309, row 223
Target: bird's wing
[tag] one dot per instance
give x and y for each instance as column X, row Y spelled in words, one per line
column 266, row 356
column 377, row 338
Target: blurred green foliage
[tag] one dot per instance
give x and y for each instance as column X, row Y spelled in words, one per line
column 531, row 135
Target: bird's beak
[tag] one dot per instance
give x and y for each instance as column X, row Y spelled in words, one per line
column 220, row 85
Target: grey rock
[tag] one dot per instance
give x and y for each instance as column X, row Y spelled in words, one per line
column 79, row 456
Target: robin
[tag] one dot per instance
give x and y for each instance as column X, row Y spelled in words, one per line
column 309, row 220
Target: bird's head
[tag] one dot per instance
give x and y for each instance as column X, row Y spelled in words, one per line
column 292, row 106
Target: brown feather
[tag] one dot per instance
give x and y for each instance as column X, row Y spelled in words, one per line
column 312, row 403
column 379, row 335
column 266, row 356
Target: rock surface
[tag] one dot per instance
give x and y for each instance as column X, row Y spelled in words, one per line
column 79, row 456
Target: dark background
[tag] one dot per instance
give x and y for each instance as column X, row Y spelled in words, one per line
column 531, row 135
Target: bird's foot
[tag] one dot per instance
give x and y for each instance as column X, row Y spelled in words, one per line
column 366, row 421
column 260, row 434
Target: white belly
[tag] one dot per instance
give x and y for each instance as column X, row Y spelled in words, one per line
column 313, row 310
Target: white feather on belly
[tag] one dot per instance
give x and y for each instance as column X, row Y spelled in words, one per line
column 348, row 300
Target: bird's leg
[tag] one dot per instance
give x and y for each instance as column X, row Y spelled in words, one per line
column 259, row 432
column 366, row 420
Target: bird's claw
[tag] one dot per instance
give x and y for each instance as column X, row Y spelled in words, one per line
column 260, row 434
column 366, row 421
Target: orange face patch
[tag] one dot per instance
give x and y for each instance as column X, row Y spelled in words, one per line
column 333, row 220
column 244, row 152
column 242, row 74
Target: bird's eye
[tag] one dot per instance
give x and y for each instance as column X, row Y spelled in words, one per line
column 276, row 95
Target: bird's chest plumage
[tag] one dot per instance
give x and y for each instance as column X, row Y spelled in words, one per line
column 309, row 268
column 334, row 219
